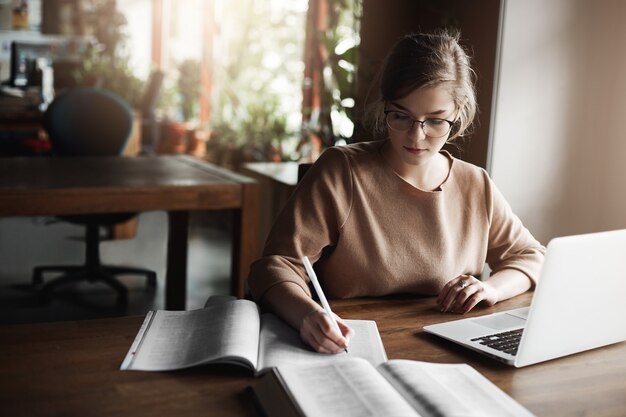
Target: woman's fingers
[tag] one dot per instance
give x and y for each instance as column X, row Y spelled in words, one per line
column 347, row 331
column 453, row 290
column 471, row 294
column 472, row 302
column 318, row 331
column 461, row 294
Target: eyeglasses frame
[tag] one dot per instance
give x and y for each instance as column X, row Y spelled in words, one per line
column 414, row 121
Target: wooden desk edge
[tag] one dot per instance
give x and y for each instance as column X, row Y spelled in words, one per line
column 214, row 169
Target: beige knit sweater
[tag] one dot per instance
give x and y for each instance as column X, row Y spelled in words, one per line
column 372, row 233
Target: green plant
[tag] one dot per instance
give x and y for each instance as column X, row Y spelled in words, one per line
column 340, row 42
column 106, row 62
column 189, row 88
column 107, row 24
column 257, row 136
column 258, row 79
column 114, row 74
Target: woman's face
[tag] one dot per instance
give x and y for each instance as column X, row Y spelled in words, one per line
column 431, row 104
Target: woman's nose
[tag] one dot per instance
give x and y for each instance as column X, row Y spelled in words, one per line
column 416, row 131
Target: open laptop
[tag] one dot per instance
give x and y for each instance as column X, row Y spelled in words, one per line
column 579, row 304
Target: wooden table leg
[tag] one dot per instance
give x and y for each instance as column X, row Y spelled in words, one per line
column 245, row 235
column 176, row 274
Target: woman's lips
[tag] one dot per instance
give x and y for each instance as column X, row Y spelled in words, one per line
column 414, row 151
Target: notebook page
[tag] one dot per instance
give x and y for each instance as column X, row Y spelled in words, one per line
column 350, row 388
column 225, row 332
column 450, row 390
column 280, row 344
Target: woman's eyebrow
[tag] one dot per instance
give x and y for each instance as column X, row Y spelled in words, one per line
column 400, row 107
column 439, row 112
column 434, row 113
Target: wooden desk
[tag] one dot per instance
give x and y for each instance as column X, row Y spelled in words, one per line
column 176, row 184
column 277, row 180
column 71, row 369
column 282, row 173
column 20, row 118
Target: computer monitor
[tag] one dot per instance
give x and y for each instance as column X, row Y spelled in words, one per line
column 23, row 62
column 62, row 55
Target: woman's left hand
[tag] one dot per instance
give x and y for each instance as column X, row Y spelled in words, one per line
column 464, row 292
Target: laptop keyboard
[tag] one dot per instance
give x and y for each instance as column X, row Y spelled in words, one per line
column 507, row 342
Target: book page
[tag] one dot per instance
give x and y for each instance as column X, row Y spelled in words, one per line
column 223, row 332
column 344, row 389
column 449, row 390
column 280, row 344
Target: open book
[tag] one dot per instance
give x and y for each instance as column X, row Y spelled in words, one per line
column 395, row 388
column 235, row 332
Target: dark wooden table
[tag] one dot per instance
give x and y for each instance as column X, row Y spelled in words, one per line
column 72, row 369
column 176, row 184
column 277, row 181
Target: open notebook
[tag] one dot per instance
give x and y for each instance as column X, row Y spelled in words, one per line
column 233, row 331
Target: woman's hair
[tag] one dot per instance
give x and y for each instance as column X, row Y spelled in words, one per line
column 427, row 60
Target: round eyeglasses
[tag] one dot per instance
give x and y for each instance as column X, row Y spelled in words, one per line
column 434, row 128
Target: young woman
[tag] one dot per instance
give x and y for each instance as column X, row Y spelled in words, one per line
column 399, row 215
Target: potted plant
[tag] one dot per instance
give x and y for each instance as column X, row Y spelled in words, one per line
column 181, row 132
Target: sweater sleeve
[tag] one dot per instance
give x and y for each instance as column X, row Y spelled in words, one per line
column 310, row 222
column 510, row 245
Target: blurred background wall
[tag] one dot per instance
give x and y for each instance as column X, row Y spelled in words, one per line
column 558, row 141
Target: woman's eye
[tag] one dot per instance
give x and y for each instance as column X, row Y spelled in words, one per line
column 400, row 116
column 434, row 122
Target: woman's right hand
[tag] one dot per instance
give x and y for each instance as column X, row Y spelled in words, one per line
column 317, row 331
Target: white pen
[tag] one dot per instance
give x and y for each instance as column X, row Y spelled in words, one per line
column 320, row 293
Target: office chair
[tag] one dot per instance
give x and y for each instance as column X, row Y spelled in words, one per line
column 90, row 122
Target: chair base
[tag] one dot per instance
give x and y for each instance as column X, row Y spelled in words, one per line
column 102, row 273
